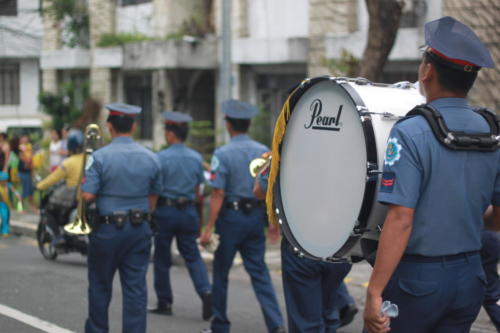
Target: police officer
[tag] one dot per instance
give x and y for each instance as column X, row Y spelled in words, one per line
column 311, row 287
column 490, row 256
column 176, row 216
column 124, row 179
column 428, row 259
column 240, row 219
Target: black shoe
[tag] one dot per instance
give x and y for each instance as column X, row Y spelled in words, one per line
column 347, row 314
column 163, row 309
column 279, row 329
column 207, row 310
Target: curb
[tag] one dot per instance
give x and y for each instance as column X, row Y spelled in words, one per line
column 272, row 257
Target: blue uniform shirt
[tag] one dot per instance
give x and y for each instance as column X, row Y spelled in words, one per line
column 122, row 175
column 230, row 170
column 182, row 171
column 449, row 190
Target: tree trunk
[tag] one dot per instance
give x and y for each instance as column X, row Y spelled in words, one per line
column 384, row 23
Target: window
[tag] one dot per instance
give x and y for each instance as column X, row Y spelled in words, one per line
column 9, row 84
column 8, row 7
column 413, row 13
column 132, row 2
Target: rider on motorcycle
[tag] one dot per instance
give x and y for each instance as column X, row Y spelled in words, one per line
column 69, row 171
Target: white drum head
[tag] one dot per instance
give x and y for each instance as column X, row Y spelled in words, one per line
column 323, row 169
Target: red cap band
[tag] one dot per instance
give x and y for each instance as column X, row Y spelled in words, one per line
column 452, row 60
column 118, row 113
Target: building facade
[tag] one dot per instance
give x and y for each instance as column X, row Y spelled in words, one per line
column 20, row 48
column 169, row 54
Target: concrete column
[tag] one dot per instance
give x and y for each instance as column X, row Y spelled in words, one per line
column 101, row 88
column 49, row 81
column 482, row 16
column 50, row 41
column 171, row 16
column 162, row 101
column 327, row 17
column 102, row 19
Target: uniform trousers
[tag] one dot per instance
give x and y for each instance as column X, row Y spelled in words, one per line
column 183, row 224
column 243, row 233
column 438, row 297
column 310, row 292
column 126, row 250
column 490, row 256
column 343, row 297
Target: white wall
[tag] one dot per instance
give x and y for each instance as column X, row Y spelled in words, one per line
column 135, row 19
column 278, row 18
column 30, row 87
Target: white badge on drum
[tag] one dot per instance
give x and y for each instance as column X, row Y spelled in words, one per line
column 90, row 161
column 393, row 151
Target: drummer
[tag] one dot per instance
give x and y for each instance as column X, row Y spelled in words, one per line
column 311, row 287
column 428, row 259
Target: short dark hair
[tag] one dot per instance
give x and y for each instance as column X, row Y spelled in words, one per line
column 3, row 135
column 452, row 79
column 239, row 125
column 121, row 124
column 181, row 130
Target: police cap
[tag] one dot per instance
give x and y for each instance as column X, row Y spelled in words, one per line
column 455, row 45
column 170, row 117
column 238, row 109
column 122, row 109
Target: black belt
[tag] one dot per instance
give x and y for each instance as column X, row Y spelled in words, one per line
column 243, row 204
column 119, row 218
column 425, row 259
column 179, row 202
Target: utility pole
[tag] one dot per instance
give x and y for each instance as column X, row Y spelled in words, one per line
column 225, row 89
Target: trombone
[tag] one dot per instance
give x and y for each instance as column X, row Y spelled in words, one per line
column 81, row 226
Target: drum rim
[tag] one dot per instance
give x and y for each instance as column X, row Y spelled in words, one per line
column 371, row 184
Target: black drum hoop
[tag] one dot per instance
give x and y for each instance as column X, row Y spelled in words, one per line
column 371, row 183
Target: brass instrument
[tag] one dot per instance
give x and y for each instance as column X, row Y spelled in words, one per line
column 81, row 226
column 259, row 164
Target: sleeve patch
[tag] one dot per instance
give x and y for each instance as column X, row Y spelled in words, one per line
column 214, row 163
column 388, row 181
column 393, row 152
column 89, row 162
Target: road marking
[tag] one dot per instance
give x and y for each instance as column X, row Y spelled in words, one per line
column 32, row 321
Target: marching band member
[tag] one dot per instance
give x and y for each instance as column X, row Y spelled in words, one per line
column 240, row 219
column 311, row 287
column 124, row 179
column 176, row 216
column 428, row 259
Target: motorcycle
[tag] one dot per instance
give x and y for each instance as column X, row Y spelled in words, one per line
column 49, row 247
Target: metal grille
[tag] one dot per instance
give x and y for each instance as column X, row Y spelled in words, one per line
column 9, row 84
column 8, row 7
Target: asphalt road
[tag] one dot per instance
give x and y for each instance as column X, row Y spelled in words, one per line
column 55, row 293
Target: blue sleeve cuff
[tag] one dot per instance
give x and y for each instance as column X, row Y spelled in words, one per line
column 391, row 198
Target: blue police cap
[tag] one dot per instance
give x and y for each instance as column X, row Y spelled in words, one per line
column 176, row 117
column 238, row 109
column 122, row 109
column 455, row 45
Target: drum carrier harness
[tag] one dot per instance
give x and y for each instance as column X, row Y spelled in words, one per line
column 457, row 140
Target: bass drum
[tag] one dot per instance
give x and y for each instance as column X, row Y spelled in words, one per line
column 332, row 155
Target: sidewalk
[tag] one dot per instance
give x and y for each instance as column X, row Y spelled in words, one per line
column 27, row 223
